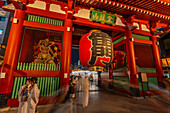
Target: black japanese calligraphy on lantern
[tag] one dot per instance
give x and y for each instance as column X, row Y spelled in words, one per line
column 101, row 46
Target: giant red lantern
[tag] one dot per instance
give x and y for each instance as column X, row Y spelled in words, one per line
column 95, row 49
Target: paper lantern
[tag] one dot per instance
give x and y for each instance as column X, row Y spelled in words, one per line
column 95, row 49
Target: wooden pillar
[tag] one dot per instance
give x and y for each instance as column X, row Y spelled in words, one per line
column 12, row 51
column 66, row 54
column 134, row 86
column 155, row 52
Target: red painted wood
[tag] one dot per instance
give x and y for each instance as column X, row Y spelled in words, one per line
column 12, row 51
column 66, row 54
column 29, row 73
column 47, row 6
column 36, row 73
column 116, row 37
column 45, row 13
column 13, row 102
column 1, row 3
column 131, row 59
column 62, row 4
column 144, row 57
column 86, row 22
column 119, row 44
column 156, row 57
column 141, row 21
column 16, row 5
column 136, row 31
column 43, row 26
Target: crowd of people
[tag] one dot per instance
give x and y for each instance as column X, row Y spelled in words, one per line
column 81, row 83
column 29, row 93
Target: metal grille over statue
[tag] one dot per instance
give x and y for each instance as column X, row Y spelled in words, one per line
column 44, row 53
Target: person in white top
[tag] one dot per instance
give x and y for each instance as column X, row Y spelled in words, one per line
column 86, row 86
column 79, row 85
column 33, row 96
column 23, row 96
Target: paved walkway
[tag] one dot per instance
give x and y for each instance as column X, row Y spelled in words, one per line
column 109, row 102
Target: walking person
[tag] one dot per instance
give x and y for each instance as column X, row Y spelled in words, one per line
column 86, row 85
column 72, row 88
column 79, row 85
column 23, row 96
column 91, row 78
column 33, row 96
column 74, row 82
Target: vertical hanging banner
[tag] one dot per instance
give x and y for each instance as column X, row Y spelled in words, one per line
column 102, row 17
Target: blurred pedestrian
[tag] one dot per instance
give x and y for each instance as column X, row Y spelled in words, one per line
column 91, row 78
column 33, row 96
column 86, row 85
column 74, row 82
column 72, row 88
column 23, row 96
column 79, row 85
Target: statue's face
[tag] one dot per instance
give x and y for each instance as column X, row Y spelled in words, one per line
column 55, row 48
column 46, row 40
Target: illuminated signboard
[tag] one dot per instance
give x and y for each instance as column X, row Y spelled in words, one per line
column 165, row 62
column 168, row 60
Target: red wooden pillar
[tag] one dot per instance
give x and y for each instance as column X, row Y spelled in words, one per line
column 156, row 57
column 156, row 54
column 66, row 54
column 134, row 86
column 12, row 51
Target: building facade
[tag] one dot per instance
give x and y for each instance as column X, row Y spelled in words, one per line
column 42, row 34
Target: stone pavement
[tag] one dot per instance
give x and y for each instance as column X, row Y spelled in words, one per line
column 110, row 102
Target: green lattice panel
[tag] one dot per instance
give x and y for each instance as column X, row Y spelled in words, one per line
column 146, row 70
column 46, row 85
column 120, row 70
column 118, row 40
column 44, row 20
column 40, row 67
column 121, row 82
column 141, row 37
